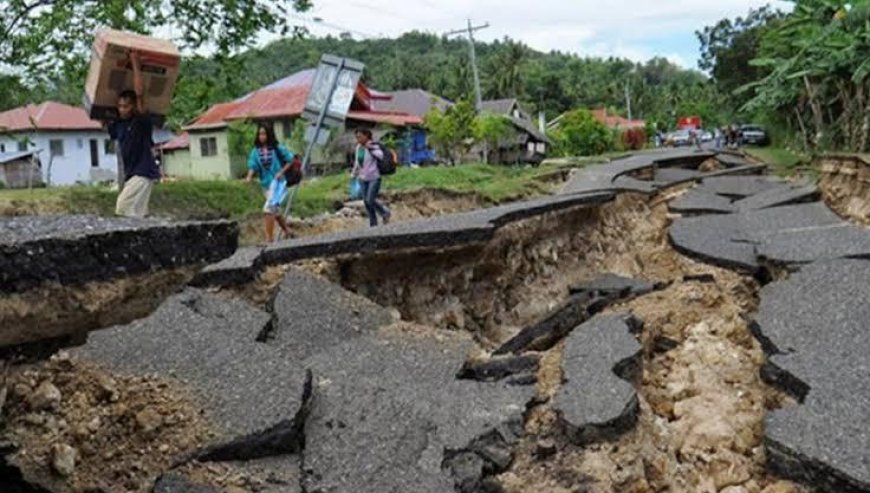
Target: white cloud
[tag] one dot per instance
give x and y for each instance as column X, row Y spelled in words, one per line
column 623, row 28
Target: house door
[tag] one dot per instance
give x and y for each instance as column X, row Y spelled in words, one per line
column 95, row 154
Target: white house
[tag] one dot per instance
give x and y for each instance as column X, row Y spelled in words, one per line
column 72, row 147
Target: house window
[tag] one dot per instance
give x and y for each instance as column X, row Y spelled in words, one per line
column 55, row 147
column 208, row 146
column 287, row 128
column 22, row 145
column 2, row 147
column 108, row 146
column 81, row 143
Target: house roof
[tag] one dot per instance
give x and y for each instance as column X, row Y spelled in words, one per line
column 179, row 142
column 49, row 115
column 283, row 98
column 8, row 157
column 500, row 106
column 609, row 120
column 412, row 101
column 529, row 127
column 616, row 121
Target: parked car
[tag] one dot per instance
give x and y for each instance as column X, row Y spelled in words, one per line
column 679, row 138
column 706, row 136
column 754, row 134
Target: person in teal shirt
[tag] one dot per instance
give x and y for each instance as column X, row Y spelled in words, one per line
column 270, row 161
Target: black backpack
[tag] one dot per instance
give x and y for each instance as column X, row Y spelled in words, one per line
column 387, row 164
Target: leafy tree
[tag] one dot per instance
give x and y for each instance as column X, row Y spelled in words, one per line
column 818, row 74
column 451, row 132
column 580, row 134
column 50, row 37
column 728, row 47
column 493, row 130
column 505, row 71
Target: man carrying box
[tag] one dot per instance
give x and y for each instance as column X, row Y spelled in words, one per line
column 133, row 131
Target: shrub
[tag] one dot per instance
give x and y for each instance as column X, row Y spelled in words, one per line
column 580, row 134
column 633, row 139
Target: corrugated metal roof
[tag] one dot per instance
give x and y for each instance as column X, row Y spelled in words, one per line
column 412, row 101
column 7, row 157
column 283, row 98
column 49, row 115
column 500, row 106
column 179, row 142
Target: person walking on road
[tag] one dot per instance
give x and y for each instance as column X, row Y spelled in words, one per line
column 270, row 160
column 132, row 130
column 365, row 169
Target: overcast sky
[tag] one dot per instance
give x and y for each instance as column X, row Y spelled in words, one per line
column 635, row 29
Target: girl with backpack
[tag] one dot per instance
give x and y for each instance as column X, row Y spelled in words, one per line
column 270, row 161
column 366, row 156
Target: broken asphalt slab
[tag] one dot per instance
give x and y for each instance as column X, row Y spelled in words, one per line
column 239, row 268
column 605, row 177
column 730, row 240
column 397, row 399
column 698, row 201
column 738, row 186
column 802, row 246
column 242, row 386
column 72, row 250
column 777, row 196
column 597, row 400
column 311, row 314
column 439, row 232
column 814, row 327
column 586, row 299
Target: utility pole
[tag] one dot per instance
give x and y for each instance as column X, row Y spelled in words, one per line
column 478, row 104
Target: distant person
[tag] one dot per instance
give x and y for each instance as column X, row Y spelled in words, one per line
column 365, row 168
column 717, row 137
column 132, row 130
column 269, row 160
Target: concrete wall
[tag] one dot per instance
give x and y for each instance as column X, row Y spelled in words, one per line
column 217, row 167
column 178, row 163
column 75, row 165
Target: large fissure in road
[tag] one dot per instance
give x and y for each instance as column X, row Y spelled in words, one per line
column 559, row 345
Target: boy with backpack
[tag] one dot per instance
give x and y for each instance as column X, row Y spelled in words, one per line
column 371, row 160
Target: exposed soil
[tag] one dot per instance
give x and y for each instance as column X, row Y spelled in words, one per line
column 53, row 310
column 702, row 402
column 123, row 431
column 845, row 185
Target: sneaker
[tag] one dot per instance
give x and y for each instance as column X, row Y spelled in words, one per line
column 387, row 217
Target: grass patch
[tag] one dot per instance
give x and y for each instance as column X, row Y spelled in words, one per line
column 783, row 162
column 189, row 199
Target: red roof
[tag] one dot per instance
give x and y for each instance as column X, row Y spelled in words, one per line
column 286, row 98
column 614, row 121
column 178, row 142
column 47, row 116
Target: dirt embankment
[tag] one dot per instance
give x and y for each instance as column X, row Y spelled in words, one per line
column 845, row 184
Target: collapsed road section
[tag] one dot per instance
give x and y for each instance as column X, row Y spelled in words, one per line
column 61, row 276
column 560, row 344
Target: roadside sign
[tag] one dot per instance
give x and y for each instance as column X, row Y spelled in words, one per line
column 333, row 88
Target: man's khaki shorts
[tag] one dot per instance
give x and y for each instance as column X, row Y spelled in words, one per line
column 133, row 199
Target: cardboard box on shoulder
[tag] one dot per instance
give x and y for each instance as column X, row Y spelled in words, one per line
column 110, row 73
